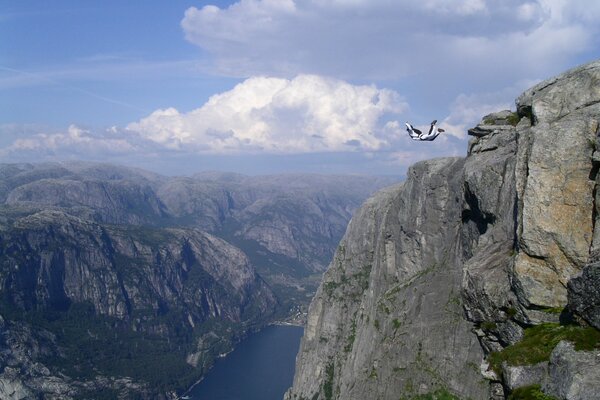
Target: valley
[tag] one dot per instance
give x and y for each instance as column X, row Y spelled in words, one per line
column 125, row 281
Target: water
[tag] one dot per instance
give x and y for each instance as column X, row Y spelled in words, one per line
column 260, row 368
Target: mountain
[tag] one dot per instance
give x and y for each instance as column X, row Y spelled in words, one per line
column 288, row 225
column 476, row 277
column 153, row 305
column 117, row 282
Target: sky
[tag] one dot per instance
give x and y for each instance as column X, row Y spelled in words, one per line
column 271, row 86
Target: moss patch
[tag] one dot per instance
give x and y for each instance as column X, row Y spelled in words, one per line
column 539, row 341
column 533, row 392
column 328, row 385
column 439, row 394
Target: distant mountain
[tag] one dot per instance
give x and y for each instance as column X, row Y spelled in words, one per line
column 122, row 282
column 153, row 305
column 288, row 225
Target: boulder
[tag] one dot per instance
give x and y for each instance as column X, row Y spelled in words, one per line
column 573, row 375
column 523, row 375
column 583, row 291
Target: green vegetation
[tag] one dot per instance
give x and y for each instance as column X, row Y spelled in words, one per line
column 93, row 343
column 513, row 119
column 533, row 392
column 396, row 322
column 330, row 287
column 488, row 325
column 356, row 283
column 373, row 373
column 439, row 394
column 592, row 143
column 511, row 312
column 328, row 385
column 386, row 310
column 539, row 341
column 351, row 337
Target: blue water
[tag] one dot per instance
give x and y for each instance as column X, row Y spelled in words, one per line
column 260, row 368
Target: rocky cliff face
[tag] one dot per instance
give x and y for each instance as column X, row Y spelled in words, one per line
column 111, row 285
column 387, row 319
column 438, row 276
column 178, row 297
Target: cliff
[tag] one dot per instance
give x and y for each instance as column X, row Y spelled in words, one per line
column 439, row 280
column 117, row 282
column 145, row 309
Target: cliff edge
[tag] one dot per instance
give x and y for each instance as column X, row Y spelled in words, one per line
column 439, row 279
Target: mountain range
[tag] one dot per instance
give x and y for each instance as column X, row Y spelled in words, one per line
column 120, row 282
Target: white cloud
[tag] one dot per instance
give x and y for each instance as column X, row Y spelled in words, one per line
column 467, row 110
column 274, row 115
column 76, row 141
column 376, row 39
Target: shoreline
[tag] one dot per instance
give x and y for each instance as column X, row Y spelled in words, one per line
column 286, row 323
column 186, row 394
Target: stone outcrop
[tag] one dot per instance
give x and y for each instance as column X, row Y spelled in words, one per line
column 573, row 375
column 387, row 319
column 435, row 274
column 518, row 376
column 584, row 294
column 556, row 184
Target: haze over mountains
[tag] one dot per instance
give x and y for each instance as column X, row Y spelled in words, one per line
column 112, row 272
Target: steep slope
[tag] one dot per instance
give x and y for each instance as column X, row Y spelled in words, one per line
column 108, row 285
column 287, row 225
column 467, row 263
column 173, row 298
column 387, row 319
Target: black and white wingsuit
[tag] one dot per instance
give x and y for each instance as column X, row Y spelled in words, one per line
column 413, row 132
column 430, row 136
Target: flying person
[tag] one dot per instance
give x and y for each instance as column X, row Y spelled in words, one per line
column 413, row 132
column 430, row 136
column 434, row 132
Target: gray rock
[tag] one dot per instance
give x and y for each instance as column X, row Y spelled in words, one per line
column 517, row 222
column 573, row 375
column 556, row 97
column 496, row 391
column 555, row 192
column 583, row 291
column 488, row 228
column 143, row 277
column 301, row 217
column 387, row 320
column 11, row 387
column 523, row 375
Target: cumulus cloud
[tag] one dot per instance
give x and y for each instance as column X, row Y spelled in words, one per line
column 76, row 141
column 308, row 113
column 393, row 39
column 467, row 110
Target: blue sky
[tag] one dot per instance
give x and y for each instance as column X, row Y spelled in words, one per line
column 267, row 86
